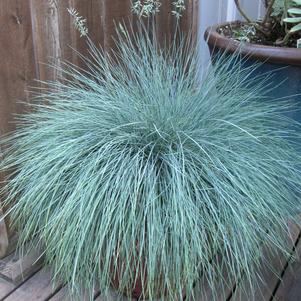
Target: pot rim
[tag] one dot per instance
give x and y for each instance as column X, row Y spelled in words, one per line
column 270, row 54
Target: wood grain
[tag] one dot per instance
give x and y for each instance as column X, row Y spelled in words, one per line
column 17, row 268
column 93, row 11
column 37, row 288
column 164, row 23
column 5, row 288
column 17, row 71
column 4, row 239
column 189, row 22
column 13, row 240
column 63, row 295
column 46, row 37
column 112, row 296
column 167, row 24
column 114, row 13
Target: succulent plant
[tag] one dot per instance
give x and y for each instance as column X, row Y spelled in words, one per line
column 294, row 18
column 275, row 22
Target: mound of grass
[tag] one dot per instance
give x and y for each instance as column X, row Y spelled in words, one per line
column 137, row 165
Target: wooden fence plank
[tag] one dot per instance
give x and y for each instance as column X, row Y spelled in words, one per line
column 17, row 71
column 164, row 22
column 46, row 37
column 167, row 23
column 115, row 12
column 68, row 36
column 190, row 18
column 93, row 12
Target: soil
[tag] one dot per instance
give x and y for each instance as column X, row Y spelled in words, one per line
column 258, row 37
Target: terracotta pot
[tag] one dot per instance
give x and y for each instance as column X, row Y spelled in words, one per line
column 282, row 62
column 267, row 54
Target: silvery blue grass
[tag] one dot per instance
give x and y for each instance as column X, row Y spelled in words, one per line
column 136, row 164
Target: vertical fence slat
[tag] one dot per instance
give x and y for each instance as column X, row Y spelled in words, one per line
column 66, row 31
column 115, row 12
column 93, row 12
column 164, row 22
column 189, row 20
column 17, row 62
column 95, row 19
column 16, row 72
column 46, row 31
column 55, row 37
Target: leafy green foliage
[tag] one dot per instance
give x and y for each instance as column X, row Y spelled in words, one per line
column 273, row 27
column 137, row 165
column 294, row 17
column 245, row 34
column 288, row 13
column 279, row 7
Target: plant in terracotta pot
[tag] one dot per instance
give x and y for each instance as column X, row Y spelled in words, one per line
column 272, row 41
column 136, row 175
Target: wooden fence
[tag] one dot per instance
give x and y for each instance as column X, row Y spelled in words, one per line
column 34, row 33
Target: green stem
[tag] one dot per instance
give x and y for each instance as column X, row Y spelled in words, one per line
column 268, row 12
column 284, row 40
column 286, row 7
column 248, row 19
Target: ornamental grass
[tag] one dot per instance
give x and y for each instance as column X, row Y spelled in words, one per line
column 139, row 165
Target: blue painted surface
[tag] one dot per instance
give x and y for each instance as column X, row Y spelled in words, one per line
column 286, row 80
column 287, row 84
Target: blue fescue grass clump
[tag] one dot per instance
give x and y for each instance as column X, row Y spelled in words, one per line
column 137, row 165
